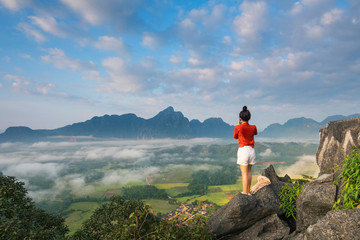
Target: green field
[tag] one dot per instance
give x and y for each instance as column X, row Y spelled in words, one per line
column 220, row 194
column 161, row 206
column 79, row 212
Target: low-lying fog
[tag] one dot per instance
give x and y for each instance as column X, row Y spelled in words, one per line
column 48, row 168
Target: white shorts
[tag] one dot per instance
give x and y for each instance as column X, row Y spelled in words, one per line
column 246, row 156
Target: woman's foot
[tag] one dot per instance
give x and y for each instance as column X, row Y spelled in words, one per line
column 249, row 194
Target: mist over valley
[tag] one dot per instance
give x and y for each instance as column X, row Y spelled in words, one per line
column 48, row 168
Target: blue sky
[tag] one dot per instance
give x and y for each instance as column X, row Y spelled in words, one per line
column 65, row 61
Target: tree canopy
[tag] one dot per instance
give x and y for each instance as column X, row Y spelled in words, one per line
column 122, row 219
column 21, row 219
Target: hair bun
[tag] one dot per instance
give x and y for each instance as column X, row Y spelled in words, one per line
column 244, row 108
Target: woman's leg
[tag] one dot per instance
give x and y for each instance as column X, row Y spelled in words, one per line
column 249, row 175
column 245, row 178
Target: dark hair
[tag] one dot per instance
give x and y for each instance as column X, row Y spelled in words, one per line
column 245, row 114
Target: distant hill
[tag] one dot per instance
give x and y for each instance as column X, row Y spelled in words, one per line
column 166, row 124
column 337, row 117
column 305, row 128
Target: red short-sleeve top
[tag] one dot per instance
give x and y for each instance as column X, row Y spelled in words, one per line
column 245, row 134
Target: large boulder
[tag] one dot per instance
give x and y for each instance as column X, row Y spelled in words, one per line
column 338, row 224
column 243, row 211
column 270, row 228
column 336, row 141
column 315, row 200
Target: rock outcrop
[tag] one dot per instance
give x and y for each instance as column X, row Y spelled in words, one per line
column 338, row 224
column 336, row 141
column 271, row 227
column 243, row 211
column 260, row 217
column 315, row 200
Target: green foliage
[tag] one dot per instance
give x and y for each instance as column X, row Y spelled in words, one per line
column 288, row 196
column 225, row 176
column 289, row 193
column 350, row 178
column 131, row 219
column 304, row 179
column 200, row 182
column 143, row 192
column 21, row 219
column 202, row 179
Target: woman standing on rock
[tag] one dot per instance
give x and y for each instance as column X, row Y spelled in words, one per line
column 245, row 132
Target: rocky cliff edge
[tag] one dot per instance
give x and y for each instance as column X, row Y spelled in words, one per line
column 260, row 217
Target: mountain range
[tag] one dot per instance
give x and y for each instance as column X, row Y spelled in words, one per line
column 304, row 128
column 166, row 124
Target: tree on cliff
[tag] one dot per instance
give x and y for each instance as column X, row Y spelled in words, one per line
column 21, row 219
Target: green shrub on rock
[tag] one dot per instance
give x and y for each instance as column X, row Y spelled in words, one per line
column 288, row 196
column 350, row 178
column 289, row 193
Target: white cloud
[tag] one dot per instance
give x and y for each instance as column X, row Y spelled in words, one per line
column 110, row 43
column 150, row 40
column 121, row 77
column 177, row 60
column 127, row 78
column 123, row 177
column 227, row 40
column 59, row 59
column 194, row 61
column 300, row 6
column 89, row 10
column 41, row 144
column 268, row 153
column 252, row 20
column 190, row 79
column 187, row 25
column 129, row 153
column 21, row 84
column 14, row 5
column 23, row 170
column 25, row 56
column 208, row 17
column 31, row 32
column 79, row 187
column 245, row 65
column 18, row 83
column 217, row 16
column 45, row 88
column 297, row 8
column 48, row 24
column 332, row 16
column 314, row 31
column 121, row 13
